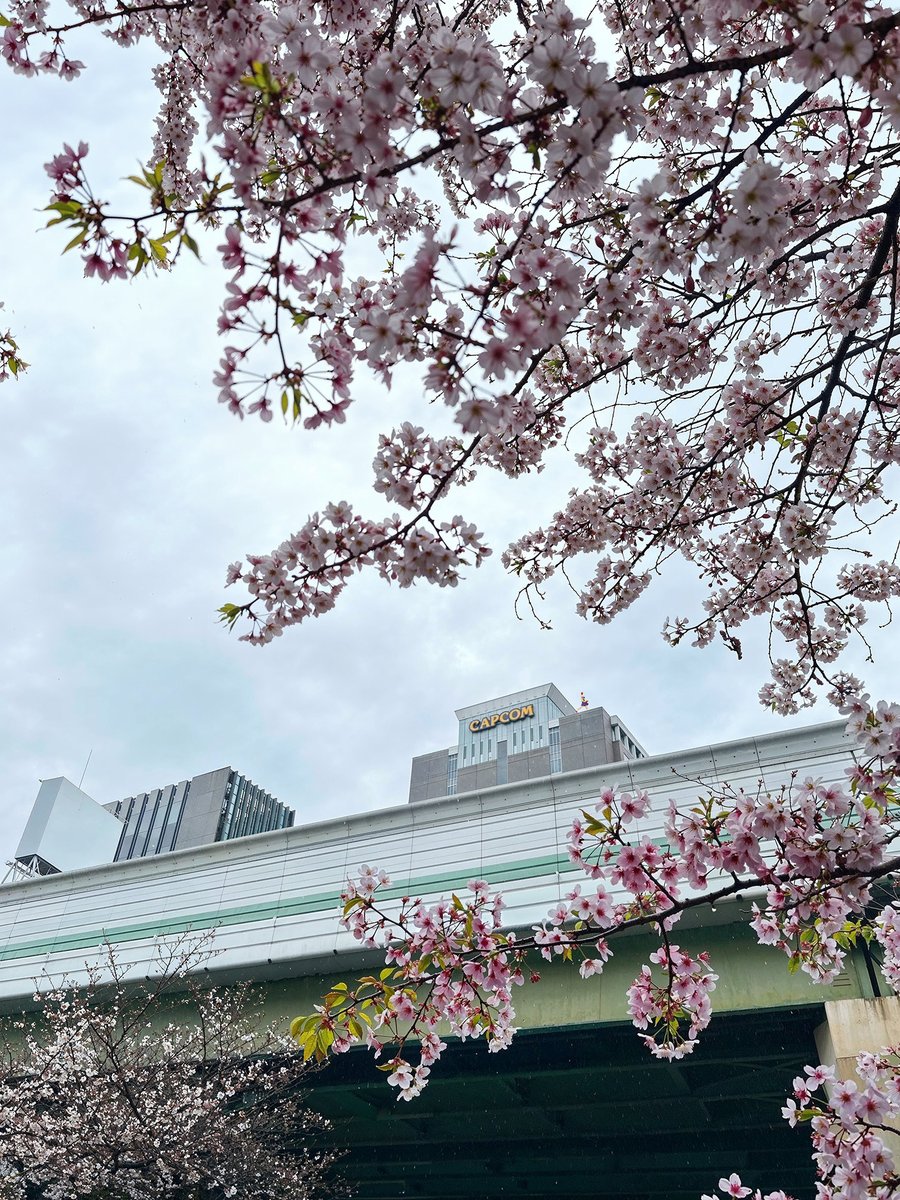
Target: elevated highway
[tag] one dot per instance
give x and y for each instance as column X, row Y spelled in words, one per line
column 576, row 1108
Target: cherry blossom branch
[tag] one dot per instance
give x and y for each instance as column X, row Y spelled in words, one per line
column 678, row 266
column 805, row 856
column 162, row 1090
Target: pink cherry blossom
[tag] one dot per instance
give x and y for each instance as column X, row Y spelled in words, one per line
column 455, row 963
column 538, row 232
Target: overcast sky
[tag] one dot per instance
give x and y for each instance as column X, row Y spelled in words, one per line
column 126, row 490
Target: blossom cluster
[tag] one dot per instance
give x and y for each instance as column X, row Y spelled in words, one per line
column 815, row 861
column 701, row 228
column 735, row 1190
column 456, row 947
column 851, row 1125
column 11, row 361
column 153, row 1092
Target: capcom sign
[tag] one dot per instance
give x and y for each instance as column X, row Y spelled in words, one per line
column 502, row 718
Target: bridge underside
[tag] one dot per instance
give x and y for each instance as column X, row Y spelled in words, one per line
column 581, row 1112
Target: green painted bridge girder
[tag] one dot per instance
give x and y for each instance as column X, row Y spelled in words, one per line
column 751, row 977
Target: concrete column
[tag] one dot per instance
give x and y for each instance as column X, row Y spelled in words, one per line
column 854, row 1026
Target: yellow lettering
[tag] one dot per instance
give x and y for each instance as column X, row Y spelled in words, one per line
column 502, row 718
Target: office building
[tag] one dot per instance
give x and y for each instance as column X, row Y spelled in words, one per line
column 214, row 807
column 525, row 735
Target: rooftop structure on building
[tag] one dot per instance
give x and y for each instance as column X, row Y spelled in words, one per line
column 524, row 735
column 67, row 829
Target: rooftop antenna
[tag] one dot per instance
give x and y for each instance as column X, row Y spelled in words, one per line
column 84, row 772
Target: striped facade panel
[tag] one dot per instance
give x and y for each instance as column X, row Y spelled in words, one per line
column 272, row 900
column 223, row 805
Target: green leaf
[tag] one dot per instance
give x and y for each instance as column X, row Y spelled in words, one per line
column 187, row 240
column 160, row 253
column 230, row 613
column 77, row 240
column 260, row 77
column 301, row 1027
column 138, row 255
column 66, row 208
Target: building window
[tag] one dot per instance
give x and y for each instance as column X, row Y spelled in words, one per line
column 173, row 820
column 555, row 751
column 502, row 763
column 451, row 774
